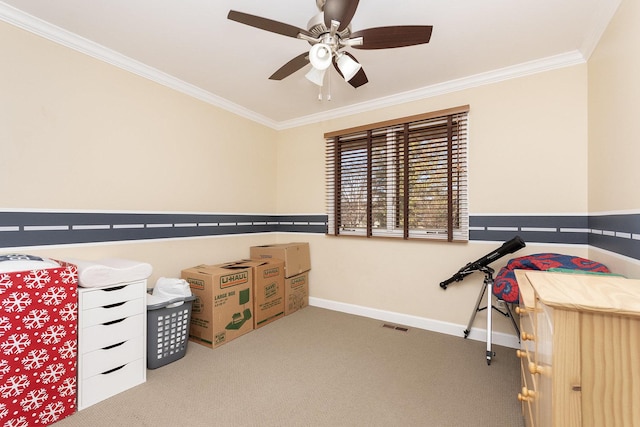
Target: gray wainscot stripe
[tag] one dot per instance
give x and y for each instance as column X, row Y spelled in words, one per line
column 23, row 229
column 616, row 233
column 541, row 229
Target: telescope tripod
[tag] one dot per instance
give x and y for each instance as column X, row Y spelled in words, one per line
column 487, row 287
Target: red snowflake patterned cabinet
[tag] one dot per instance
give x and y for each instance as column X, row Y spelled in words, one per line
column 38, row 345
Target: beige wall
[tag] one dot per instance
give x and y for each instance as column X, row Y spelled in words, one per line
column 78, row 133
column 168, row 257
column 614, row 127
column 614, row 91
column 526, row 136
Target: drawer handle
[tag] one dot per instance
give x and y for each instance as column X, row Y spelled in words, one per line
column 528, row 393
column 117, row 304
column 117, row 288
column 522, row 398
column 114, row 321
column 535, row 369
column 521, row 310
column 113, row 370
column 109, row 347
column 527, row 337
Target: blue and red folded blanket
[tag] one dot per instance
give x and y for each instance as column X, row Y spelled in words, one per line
column 505, row 285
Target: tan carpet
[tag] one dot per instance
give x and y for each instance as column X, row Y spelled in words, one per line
column 318, row 367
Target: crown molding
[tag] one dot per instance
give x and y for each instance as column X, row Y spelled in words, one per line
column 68, row 39
column 520, row 70
column 73, row 41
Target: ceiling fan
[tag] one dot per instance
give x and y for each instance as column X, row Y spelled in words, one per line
column 328, row 33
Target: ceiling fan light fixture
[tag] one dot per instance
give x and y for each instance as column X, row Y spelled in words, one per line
column 315, row 76
column 347, row 66
column 320, row 56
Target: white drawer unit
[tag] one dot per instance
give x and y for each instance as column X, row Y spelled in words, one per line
column 111, row 340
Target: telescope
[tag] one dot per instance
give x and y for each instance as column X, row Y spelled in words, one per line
column 482, row 263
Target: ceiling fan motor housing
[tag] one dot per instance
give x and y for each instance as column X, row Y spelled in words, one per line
column 317, row 28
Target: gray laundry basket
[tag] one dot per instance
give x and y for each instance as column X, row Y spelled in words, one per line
column 168, row 331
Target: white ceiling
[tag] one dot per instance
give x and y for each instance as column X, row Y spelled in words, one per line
column 190, row 45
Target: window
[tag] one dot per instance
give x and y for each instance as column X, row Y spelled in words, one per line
column 405, row 178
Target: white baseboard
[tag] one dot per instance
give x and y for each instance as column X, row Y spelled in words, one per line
column 498, row 338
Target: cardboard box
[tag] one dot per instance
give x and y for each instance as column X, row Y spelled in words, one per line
column 296, row 293
column 268, row 289
column 223, row 309
column 296, row 256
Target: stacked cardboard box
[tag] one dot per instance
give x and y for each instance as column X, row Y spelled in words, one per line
column 296, row 290
column 297, row 263
column 236, row 297
column 224, row 305
column 268, row 289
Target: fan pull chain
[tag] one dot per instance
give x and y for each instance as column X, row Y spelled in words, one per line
column 328, row 97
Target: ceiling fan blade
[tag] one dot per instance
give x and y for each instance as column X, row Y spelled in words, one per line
column 341, row 11
column 359, row 79
column 266, row 24
column 291, row 67
column 390, row 37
